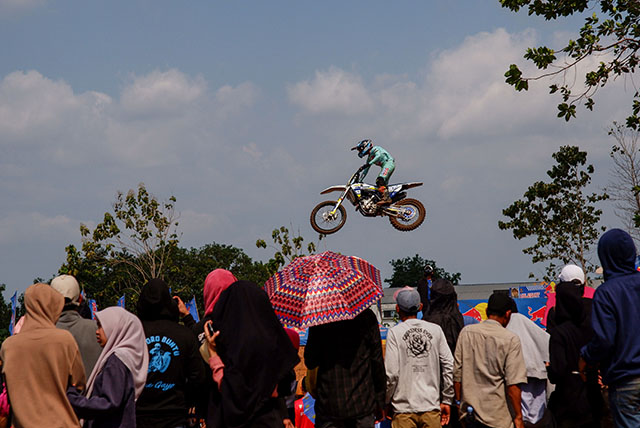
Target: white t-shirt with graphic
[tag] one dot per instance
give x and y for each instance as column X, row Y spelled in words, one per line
column 419, row 367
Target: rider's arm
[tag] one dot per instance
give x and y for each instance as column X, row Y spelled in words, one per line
column 364, row 169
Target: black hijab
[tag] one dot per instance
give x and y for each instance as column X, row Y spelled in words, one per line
column 256, row 352
column 443, row 310
column 155, row 302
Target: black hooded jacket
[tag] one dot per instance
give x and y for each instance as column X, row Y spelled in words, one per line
column 573, row 400
column 175, row 366
column 443, row 310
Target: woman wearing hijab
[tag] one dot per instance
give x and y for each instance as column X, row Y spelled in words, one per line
column 574, row 403
column 217, row 281
column 250, row 353
column 40, row 363
column 443, row 310
column 119, row 376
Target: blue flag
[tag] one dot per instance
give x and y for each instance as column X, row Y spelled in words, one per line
column 93, row 306
column 193, row 310
column 14, row 302
column 121, row 301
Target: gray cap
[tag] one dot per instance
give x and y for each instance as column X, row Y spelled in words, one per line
column 68, row 287
column 408, row 299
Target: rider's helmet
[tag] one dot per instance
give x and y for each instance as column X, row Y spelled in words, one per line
column 363, row 148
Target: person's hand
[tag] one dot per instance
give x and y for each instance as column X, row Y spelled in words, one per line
column 517, row 421
column 445, row 414
column 582, row 366
column 211, row 339
column 388, row 411
column 287, row 423
column 182, row 308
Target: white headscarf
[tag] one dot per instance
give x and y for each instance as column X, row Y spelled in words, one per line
column 126, row 339
column 535, row 344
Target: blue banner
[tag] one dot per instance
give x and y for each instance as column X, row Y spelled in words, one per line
column 93, row 306
column 193, row 310
column 121, row 301
column 14, row 304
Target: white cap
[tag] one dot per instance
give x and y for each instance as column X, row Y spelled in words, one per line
column 68, row 287
column 571, row 272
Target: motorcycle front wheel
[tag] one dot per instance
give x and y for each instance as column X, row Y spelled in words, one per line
column 324, row 222
column 414, row 214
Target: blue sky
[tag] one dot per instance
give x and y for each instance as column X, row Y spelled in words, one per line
column 245, row 111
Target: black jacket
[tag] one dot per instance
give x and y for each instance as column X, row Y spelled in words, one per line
column 175, row 366
column 351, row 379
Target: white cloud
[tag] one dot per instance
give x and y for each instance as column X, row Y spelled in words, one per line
column 154, row 121
column 161, row 93
column 33, row 107
column 334, row 91
column 230, row 100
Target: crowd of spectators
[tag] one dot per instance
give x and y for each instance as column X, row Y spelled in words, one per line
column 235, row 368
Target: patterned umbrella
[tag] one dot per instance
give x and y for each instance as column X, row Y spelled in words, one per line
column 323, row 288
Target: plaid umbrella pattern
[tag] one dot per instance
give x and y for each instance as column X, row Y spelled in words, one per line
column 323, row 288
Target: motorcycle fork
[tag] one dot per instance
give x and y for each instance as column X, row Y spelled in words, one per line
column 338, row 203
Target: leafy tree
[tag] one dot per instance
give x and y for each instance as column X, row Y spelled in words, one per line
column 189, row 267
column 185, row 272
column 624, row 185
column 287, row 248
column 130, row 246
column 611, row 34
column 409, row 270
column 5, row 314
column 559, row 214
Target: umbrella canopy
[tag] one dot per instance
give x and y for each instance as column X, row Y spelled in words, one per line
column 323, row 288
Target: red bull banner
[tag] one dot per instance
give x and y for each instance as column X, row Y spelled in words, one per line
column 532, row 308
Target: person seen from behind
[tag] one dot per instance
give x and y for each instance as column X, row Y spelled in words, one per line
column 424, row 288
column 119, row 376
column 489, row 368
column 249, row 354
column 615, row 318
column 443, row 310
column 535, row 350
column 419, row 368
column 40, row 363
column 574, row 402
column 175, row 366
column 83, row 330
column 350, row 383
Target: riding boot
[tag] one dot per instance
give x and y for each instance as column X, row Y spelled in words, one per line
column 385, row 199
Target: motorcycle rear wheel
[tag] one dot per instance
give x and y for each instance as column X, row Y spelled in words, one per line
column 413, row 219
column 323, row 222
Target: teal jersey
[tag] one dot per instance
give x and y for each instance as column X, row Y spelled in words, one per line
column 380, row 157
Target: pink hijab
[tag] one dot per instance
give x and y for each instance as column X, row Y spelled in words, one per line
column 217, row 281
column 126, row 339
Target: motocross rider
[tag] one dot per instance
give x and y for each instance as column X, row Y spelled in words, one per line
column 377, row 156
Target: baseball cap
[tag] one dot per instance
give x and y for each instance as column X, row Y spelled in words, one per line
column 68, row 287
column 408, row 299
column 571, row 272
column 499, row 303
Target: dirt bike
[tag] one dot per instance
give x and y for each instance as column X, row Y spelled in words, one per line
column 404, row 213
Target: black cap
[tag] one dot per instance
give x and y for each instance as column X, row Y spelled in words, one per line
column 499, row 304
